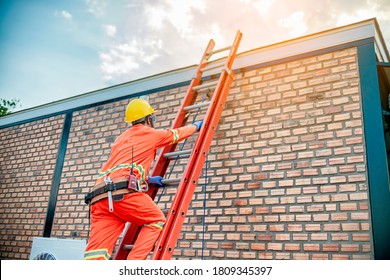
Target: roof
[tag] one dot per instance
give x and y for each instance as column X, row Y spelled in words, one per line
column 287, row 50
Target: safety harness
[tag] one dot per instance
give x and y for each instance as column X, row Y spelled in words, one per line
column 120, row 186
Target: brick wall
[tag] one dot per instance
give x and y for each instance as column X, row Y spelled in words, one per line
column 286, row 172
column 288, row 167
column 27, row 160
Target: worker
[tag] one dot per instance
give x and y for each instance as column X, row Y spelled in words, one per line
column 114, row 200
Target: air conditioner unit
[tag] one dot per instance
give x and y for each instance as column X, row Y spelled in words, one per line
column 44, row 248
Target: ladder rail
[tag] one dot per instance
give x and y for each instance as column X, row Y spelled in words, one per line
column 166, row 243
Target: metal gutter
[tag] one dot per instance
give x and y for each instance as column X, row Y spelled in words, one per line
column 57, row 175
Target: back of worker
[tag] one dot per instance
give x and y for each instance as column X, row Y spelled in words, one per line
column 148, row 140
column 111, row 207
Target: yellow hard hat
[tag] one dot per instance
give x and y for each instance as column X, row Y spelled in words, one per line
column 138, row 109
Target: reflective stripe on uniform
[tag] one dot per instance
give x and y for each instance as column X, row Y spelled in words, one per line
column 175, row 136
column 95, row 254
column 158, row 225
column 138, row 168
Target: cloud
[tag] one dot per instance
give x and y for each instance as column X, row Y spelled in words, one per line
column 66, row 15
column 162, row 35
column 110, row 30
column 263, row 6
column 373, row 9
column 122, row 58
column 178, row 14
column 96, row 7
column 295, row 23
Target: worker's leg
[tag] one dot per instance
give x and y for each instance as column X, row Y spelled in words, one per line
column 146, row 241
column 105, row 230
column 140, row 209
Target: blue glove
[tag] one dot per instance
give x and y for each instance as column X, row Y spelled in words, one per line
column 198, row 125
column 156, row 180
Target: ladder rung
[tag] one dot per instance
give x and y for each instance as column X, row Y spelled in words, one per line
column 220, row 50
column 171, row 182
column 211, row 66
column 196, row 106
column 128, row 247
column 205, row 86
column 180, row 154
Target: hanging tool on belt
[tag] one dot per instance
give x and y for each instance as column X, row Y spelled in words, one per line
column 108, row 182
column 138, row 185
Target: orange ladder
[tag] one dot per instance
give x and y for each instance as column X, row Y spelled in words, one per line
column 197, row 155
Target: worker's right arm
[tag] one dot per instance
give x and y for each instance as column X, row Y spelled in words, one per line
column 172, row 136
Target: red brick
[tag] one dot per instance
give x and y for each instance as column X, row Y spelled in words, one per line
column 294, row 227
column 292, row 247
column 332, row 227
column 350, row 226
column 300, row 256
column 264, row 237
column 258, row 246
column 319, row 236
column 330, row 247
column 311, row 247
column 361, row 237
column 340, row 237
column 274, row 246
column 348, row 206
column 349, row 248
column 359, row 216
column 282, row 237
column 300, row 236
column 339, row 217
column 313, row 227
column 320, row 257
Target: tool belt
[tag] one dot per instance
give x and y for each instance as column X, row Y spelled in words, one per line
column 117, row 187
column 100, row 191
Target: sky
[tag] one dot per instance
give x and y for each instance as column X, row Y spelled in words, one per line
column 55, row 49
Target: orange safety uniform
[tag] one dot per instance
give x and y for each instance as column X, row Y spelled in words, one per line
column 136, row 147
